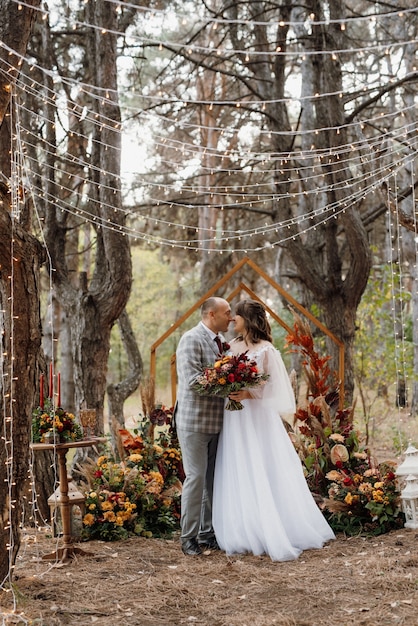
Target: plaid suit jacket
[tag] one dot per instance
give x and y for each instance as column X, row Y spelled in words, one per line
column 196, row 350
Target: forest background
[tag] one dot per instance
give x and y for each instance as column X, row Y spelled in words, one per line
column 147, row 147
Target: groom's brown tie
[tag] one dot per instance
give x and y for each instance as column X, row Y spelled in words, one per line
column 219, row 343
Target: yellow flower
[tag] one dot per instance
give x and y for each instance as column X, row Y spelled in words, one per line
column 378, row 485
column 92, row 506
column 102, row 459
column 348, row 498
column 109, row 516
column 157, row 477
column 222, row 381
column 378, row 495
column 135, row 458
column 107, row 506
column 88, row 519
column 158, row 449
column 351, row 499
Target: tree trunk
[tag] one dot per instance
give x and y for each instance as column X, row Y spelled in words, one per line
column 20, row 259
column 20, row 332
column 96, row 301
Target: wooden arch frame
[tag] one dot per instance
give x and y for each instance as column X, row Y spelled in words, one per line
column 231, row 296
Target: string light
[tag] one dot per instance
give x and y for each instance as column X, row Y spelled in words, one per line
column 215, row 22
column 7, row 361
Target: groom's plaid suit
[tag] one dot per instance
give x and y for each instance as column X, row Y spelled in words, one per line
column 198, row 421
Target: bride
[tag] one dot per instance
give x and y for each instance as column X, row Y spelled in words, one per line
column 261, row 501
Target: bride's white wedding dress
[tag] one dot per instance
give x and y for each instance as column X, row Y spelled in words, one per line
column 261, row 501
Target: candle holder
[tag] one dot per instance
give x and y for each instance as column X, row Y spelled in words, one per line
column 88, row 421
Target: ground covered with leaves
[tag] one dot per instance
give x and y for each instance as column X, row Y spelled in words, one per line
column 149, row 582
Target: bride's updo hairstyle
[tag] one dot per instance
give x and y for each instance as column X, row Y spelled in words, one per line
column 255, row 320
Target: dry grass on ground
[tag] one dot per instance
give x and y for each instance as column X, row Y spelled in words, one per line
column 148, row 582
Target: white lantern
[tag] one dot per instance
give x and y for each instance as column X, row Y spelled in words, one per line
column 409, row 496
column 410, row 463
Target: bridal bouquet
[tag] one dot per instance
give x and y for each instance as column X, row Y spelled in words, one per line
column 228, row 374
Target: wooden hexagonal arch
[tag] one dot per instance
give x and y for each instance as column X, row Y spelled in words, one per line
column 242, row 287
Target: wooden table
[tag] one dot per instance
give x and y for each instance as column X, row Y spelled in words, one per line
column 68, row 549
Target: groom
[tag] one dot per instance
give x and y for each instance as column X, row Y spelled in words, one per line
column 198, row 421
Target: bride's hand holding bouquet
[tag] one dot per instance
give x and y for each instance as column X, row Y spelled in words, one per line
column 228, row 375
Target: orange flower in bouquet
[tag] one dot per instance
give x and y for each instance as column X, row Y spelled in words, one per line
column 228, row 374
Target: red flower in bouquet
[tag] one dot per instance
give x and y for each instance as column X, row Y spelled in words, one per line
column 228, row 374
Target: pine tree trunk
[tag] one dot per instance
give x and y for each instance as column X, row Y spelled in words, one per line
column 20, row 259
column 20, row 330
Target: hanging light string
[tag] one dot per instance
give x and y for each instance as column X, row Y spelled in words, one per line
column 403, row 375
column 103, row 95
column 215, row 23
column 357, row 193
column 414, row 397
column 403, row 138
column 396, row 287
column 87, row 215
column 8, row 404
column 36, row 512
column 229, row 196
column 263, row 190
column 408, row 131
column 196, row 244
column 8, row 401
column 184, row 18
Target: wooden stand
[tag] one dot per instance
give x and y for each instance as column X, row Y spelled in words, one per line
column 68, row 550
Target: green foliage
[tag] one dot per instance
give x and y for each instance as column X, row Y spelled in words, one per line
column 376, row 352
column 400, row 441
column 383, row 346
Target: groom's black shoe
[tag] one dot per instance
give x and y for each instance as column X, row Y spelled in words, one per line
column 209, row 544
column 191, row 547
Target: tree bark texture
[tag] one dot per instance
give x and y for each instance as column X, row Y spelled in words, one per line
column 20, row 259
column 333, row 260
column 97, row 299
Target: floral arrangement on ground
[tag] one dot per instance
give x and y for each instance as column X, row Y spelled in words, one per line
column 139, row 494
column 357, row 495
column 54, row 424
